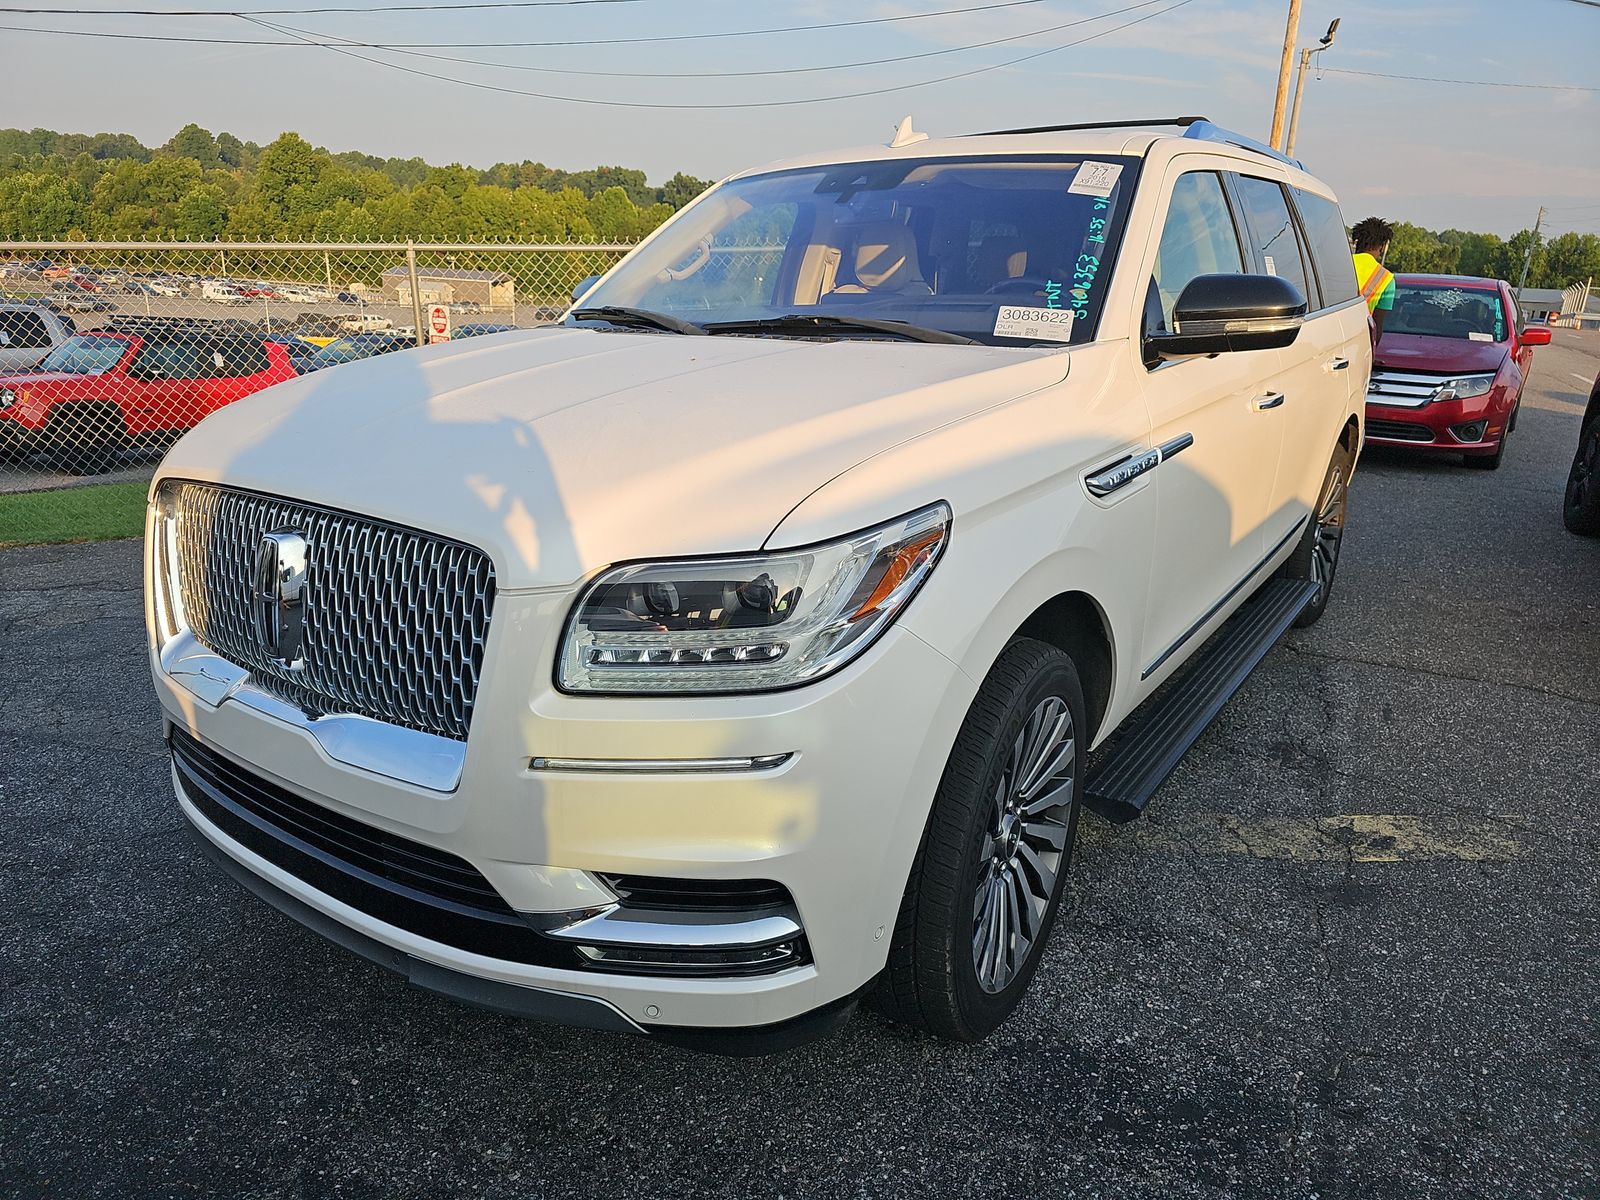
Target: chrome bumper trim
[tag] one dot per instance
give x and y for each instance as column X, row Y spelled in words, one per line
column 662, row 766
column 622, row 926
column 393, row 751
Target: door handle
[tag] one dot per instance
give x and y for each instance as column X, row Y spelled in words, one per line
column 1128, row 468
column 1270, row 400
column 1338, row 364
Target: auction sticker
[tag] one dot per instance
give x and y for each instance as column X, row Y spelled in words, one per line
column 1095, row 178
column 1034, row 324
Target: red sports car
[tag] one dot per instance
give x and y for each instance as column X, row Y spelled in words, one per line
column 1449, row 369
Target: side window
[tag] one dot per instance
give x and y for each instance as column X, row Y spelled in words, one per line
column 241, row 358
column 1266, row 212
column 23, row 331
column 172, row 360
column 1330, row 247
column 1198, row 239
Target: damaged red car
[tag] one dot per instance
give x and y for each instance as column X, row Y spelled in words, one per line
column 1449, row 370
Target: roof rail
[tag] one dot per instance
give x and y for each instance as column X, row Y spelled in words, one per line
column 1179, row 121
column 1206, row 131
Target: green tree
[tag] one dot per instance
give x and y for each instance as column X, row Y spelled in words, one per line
column 194, row 142
column 1415, row 249
column 202, row 213
column 290, row 162
column 230, row 150
column 1571, row 258
column 38, row 206
column 681, row 189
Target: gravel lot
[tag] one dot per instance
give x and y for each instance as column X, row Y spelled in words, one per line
column 1350, row 952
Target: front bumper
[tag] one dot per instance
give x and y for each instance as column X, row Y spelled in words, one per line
column 1472, row 426
column 836, row 824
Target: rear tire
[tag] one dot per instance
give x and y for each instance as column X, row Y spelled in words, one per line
column 1316, row 558
column 989, row 874
column 1580, row 509
column 84, row 439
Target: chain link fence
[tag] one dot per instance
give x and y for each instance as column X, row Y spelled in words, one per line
column 110, row 350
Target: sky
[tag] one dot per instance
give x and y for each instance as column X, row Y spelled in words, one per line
column 1438, row 154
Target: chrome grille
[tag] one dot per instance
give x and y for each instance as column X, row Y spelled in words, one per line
column 395, row 619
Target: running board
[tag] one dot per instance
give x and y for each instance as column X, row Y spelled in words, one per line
column 1127, row 773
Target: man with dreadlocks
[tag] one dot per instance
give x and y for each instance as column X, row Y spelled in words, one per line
column 1371, row 238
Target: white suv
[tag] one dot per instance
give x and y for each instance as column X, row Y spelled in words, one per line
column 735, row 649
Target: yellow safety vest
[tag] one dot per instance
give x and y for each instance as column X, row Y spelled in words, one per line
column 1373, row 285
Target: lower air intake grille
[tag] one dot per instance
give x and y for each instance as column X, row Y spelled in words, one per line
column 1399, row 431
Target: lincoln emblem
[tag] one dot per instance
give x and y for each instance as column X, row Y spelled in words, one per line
column 280, row 586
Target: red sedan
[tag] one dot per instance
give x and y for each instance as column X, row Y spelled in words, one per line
column 1449, row 370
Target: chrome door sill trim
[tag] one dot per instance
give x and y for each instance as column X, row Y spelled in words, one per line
column 393, row 751
column 662, row 766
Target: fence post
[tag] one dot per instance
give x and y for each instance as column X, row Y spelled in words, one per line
column 327, row 269
column 416, row 294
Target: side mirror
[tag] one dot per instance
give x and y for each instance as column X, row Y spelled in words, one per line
column 1536, row 335
column 583, row 285
column 1216, row 314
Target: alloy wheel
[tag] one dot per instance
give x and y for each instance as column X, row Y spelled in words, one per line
column 1025, row 844
column 1330, row 530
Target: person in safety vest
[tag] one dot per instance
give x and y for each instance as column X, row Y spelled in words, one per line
column 1371, row 238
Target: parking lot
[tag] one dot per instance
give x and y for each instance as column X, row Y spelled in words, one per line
column 1349, row 952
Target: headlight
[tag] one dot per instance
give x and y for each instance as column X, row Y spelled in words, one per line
column 1465, row 388
column 749, row 623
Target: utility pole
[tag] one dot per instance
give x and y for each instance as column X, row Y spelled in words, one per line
column 1291, row 34
column 1527, row 257
column 1300, row 83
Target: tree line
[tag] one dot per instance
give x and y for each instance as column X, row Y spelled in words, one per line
column 204, row 187
column 200, row 186
column 1557, row 262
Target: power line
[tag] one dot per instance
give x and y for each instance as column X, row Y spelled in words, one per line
column 503, row 45
column 308, row 38
column 870, row 62
column 1543, row 87
column 903, row 87
column 300, row 12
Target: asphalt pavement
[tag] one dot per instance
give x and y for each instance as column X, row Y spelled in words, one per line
column 1351, row 951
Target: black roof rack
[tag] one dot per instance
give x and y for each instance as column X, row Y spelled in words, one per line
column 1181, row 122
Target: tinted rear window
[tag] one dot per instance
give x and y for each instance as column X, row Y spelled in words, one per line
column 1330, row 247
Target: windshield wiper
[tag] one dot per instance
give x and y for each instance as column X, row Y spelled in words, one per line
column 647, row 318
column 823, row 323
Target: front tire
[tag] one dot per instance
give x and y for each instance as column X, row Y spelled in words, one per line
column 989, row 874
column 1316, row 558
column 1580, row 509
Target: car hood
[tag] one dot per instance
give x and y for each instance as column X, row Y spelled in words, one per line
column 1418, row 352
column 559, row 451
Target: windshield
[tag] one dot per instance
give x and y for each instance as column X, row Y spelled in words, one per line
column 1446, row 310
column 942, row 243
column 85, row 355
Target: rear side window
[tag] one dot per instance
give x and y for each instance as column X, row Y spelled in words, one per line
column 1330, row 247
column 1198, row 238
column 172, row 360
column 1277, row 251
column 243, row 357
column 23, row 331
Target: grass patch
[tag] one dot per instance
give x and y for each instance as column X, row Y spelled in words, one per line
column 79, row 514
